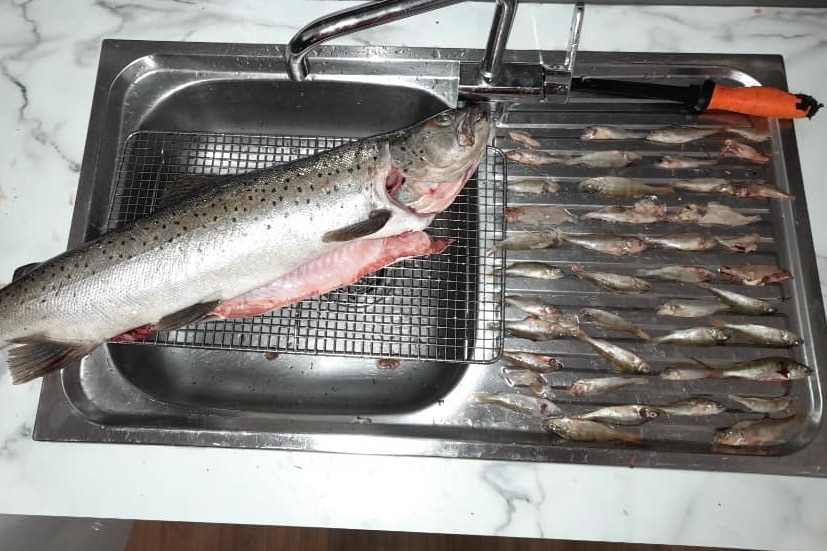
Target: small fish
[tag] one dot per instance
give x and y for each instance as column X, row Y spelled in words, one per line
column 684, row 274
column 738, row 303
column 611, row 322
column 755, row 274
column 539, row 215
column 692, row 242
column 616, row 186
column 534, row 157
column 713, row 214
column 674, row 135
column 606, row 243
column 687, row 373
column 524, row 378
column 768, row 369
column 693, row 407
column 772, row 337
column 613, row 282
column 535, row 270
column 611, row 133
column 690, row 213
column 536, row 329
column 584, row 430
column 603, row 385
column 630, row 415
column 605, row 159
column 534, row 305
column 746, row 243
column 690, row 308
column 760, row 433
column 704, row 185
column 533, row 362
column 533, row 186
column 763, row 404
column 624, row 361
column 751, row 190
column 739, row 150
column 645, row 211
column 717, row 214
column 750, row 134
column 524, row 139
column 527, row 241
column 693, row 336
column 531, row 406
column 672, row 162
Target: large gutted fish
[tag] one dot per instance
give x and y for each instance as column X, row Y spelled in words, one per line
column 235, row 237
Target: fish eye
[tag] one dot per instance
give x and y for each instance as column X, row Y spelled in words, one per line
column 444, row 119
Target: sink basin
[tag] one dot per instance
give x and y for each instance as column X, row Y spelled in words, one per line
column 231, row 108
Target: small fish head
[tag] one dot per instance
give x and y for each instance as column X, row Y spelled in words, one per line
column 647, row 412
column 720, row 336
column 793, row 340
column 434, row 158
column 731, row 437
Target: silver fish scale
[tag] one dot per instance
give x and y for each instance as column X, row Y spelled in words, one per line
column 418, row 308
column 559, row 133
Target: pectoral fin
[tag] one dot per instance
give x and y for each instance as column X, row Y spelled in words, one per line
column 375, row 222
column 185, row 316
column 32, row 359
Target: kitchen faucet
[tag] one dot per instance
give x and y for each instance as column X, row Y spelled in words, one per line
column 373, row 14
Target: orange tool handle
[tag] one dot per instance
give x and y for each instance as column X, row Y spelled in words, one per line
column 761, row 101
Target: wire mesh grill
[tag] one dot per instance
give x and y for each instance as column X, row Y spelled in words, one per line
column 444, row 307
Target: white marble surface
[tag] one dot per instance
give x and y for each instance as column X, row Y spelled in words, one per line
column 48, row 55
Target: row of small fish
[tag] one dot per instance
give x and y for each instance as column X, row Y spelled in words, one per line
column 665, row 135
column 752, row 433
column 627, row 245
column 747, row 274
column 615, row 158
column 645, row 211
column 649, row 211
column 622, row 187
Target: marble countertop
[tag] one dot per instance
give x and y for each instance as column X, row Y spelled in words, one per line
column 48, row 57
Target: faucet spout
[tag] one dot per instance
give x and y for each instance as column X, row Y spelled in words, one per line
column 376, row 13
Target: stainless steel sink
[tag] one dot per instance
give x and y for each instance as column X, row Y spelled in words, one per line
column 217, row 393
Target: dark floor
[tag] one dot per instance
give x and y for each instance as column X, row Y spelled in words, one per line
column 179, row 536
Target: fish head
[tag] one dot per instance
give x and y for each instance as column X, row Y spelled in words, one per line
column 719, row 336
column 433, row 159
column 647, row 412
column 731, row 437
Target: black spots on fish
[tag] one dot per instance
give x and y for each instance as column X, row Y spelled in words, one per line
column 215, row 218
column 299, row 189
column 269, row 227
column 402, row 148
column 234, row 219
column 286, row 188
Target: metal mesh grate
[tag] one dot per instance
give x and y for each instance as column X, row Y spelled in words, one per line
column 443, row 307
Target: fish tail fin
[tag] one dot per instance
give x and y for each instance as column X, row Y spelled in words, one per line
column 643, row 335
column 651, row 343
column 710, row 371
column 717, row 323
column 31, row 360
